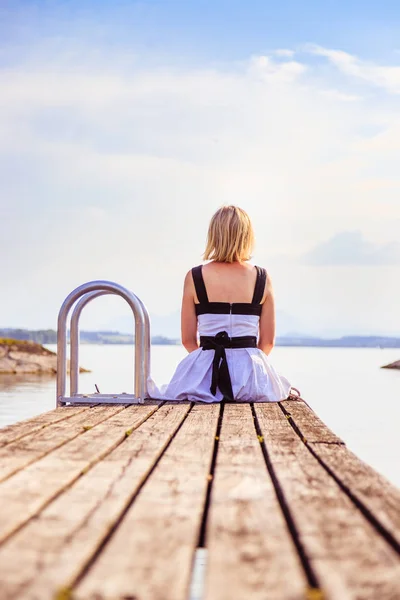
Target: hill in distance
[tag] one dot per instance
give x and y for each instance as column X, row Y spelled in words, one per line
column 49, row 336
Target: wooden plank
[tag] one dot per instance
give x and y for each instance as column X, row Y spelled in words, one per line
column 22, row 495
column 47, row 555
column 311, row 426
column 16, row 431
column 348, row 556
column 17, row 455
column 250, row 551
column 376, row 493
column 150, row 555
column 372, row 489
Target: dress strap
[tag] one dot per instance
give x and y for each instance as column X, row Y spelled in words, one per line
column 259, row 288
column 199, row 284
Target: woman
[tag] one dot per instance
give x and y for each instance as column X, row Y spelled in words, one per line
column 230, row 304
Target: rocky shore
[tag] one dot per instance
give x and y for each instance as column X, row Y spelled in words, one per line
column 22, row 357
column 394, row 365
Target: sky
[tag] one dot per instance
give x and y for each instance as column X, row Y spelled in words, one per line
column 125, row 125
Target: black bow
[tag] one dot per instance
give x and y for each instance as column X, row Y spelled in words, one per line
column 220, row 372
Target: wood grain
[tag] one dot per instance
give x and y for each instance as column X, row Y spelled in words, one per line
column 22, row 495
column 22, row 452
column 150, row 555
column 376, row 493
column 372, row 489
column 85, row 512
column 311, row 426
column 47, row 555
column 250, row 551
column 16, row 431
column 349, row 557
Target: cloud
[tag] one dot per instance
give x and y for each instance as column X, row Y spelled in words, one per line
column 341, row 96
column 112, row 170
column 267, row 68
column 350, row 248
column 386, row 77
column 284, row 52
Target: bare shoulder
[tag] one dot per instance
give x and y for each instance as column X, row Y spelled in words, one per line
column 250, row 267
column 188, row 282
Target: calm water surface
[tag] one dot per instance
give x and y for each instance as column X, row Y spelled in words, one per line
column 345, row 386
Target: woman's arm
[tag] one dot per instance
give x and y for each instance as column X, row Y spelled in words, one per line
column 266, row 338
column 188, row 315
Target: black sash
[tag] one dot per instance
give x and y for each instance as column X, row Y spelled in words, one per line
column 220, row 371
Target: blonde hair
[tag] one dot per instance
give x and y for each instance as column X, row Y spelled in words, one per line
column 230, row 236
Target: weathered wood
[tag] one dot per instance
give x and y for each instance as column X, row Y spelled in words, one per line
column 86, row 513
column 349, row 557
column 34, row 446
column 16, row 431
column 47, row 555
column 150, row 555
column 371, row 488
column 311, row 426
column 246, row 532
column 22, row 495
column 376, row 493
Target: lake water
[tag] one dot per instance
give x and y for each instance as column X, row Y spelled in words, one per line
column 345, row 386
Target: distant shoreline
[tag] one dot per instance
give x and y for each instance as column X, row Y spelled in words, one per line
column 49, row 336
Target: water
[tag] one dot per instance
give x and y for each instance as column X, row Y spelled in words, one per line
column 345, row 386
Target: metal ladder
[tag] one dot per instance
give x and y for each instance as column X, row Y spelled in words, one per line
column 82, row 295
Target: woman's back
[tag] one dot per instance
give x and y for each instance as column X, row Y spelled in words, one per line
column 229, row 282
column 234, row 303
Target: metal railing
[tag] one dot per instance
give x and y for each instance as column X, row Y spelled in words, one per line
column 85, row 294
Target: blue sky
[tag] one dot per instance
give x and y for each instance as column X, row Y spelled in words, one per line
column 123, row 126
column 209, row 30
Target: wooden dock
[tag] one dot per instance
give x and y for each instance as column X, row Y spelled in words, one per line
column 202, row 502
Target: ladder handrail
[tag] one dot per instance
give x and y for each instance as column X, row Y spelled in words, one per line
column 142, row 333
column 74, row 339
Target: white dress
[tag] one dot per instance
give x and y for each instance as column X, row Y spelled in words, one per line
column 252, row 377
